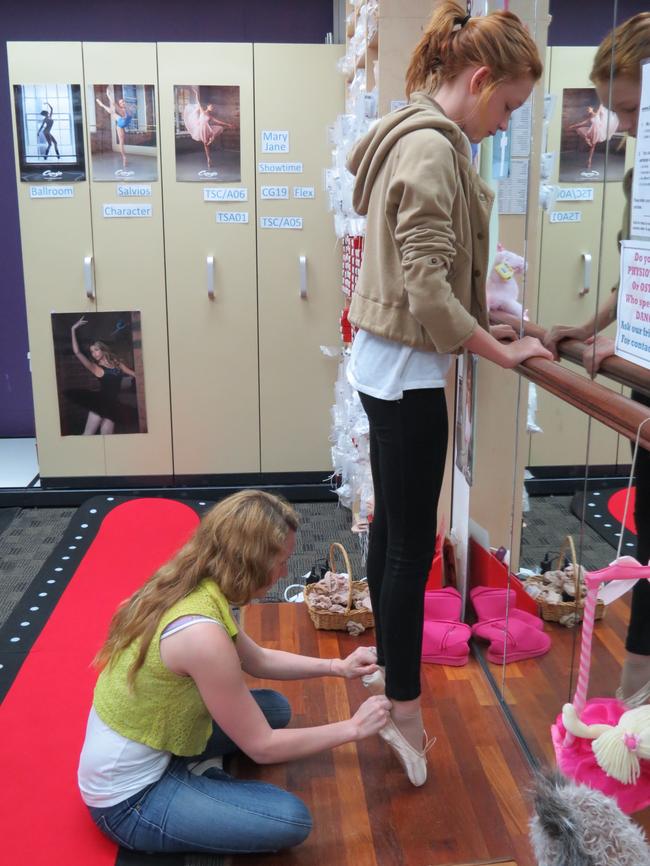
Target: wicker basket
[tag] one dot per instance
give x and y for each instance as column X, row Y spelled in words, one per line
column 554, row 611
column 335, row 621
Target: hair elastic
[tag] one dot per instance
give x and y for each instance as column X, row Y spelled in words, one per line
column 459, row 23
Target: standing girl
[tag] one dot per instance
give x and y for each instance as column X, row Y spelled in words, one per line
column 620, row 56
column 421, row 297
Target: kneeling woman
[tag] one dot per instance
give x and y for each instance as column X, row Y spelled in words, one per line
column 171, row 695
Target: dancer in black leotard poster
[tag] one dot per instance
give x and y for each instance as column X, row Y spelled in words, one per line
column 45, row 128
column 104, row 407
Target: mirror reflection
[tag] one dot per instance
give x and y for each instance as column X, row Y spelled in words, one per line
column 571, row 510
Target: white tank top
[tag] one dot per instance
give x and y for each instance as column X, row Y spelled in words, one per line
column 385, row 369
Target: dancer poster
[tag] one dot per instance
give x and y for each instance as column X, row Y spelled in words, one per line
column 208, row 144
column 589, row 132
column 466, row 414
column 123, row 132
column 49, row 129
column 99, row 373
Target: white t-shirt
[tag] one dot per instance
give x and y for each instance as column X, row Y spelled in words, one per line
column 112, row 768
column 385, row 369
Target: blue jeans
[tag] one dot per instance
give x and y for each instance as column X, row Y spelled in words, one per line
column 214, row 812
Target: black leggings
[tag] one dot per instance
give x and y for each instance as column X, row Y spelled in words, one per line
column 408, row 447
column 638, row 633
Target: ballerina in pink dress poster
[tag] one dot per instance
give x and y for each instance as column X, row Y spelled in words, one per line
column 600, row 125
column 589, row 133
column 207, row 133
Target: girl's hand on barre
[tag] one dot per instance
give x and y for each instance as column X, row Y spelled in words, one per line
column 503, row 332
column 521, row 350
column 562, row 332
column 597, row 349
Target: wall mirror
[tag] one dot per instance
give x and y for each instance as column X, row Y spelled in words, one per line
column 570, row 471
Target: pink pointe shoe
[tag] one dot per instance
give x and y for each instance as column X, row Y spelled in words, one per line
column 413, row 762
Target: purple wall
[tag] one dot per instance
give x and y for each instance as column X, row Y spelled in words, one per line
column 119, row 21
column 586, row 22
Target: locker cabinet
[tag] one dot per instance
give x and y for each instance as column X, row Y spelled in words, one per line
column 233, row 313
column 211, row 277
column 76, row 261
column 298, row 269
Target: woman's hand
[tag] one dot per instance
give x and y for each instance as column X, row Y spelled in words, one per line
column 521, row 350
column 359, row 663
column 371, row 716
column 597, row 349
column 562, row 332
column 503, row 332
column 82, row 321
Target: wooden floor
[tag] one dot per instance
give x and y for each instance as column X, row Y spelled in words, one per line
column 535, row 690
column 366, row 813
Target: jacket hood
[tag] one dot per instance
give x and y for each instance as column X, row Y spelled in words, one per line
column 368, row 154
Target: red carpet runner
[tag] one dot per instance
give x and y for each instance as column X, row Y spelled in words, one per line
column 43, row 718
column 603, row 511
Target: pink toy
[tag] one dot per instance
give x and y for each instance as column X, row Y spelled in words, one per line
column 501, row 287
column 600, row 742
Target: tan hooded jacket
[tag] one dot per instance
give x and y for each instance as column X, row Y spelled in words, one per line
column 422, row 281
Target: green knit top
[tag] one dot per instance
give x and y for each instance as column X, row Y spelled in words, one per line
column 163, row 710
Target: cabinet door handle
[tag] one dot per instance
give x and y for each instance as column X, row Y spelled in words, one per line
column 89, row 278
column 209, row 270
column 302, row 267
column 586, row 280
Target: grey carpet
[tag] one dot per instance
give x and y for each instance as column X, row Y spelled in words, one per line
column 321, row 523
column 6, row 517
column 550, row 518
column 25, row 544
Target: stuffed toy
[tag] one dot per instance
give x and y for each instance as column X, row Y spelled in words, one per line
column 574, row 825
column 502, row 288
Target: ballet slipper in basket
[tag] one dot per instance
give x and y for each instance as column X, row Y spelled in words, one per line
column 490, row 603
column 511, row 640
